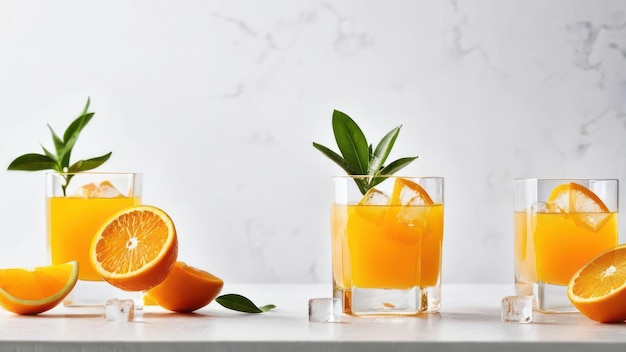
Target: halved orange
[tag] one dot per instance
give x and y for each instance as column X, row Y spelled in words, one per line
column 598, row 289
column 186, row 289
column 136, row 248
column 35, row 291
column 590, row 211
column 406, row 192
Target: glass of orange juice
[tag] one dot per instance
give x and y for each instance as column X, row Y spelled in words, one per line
column 387, row 244
column 560, row 225
column 75, row 211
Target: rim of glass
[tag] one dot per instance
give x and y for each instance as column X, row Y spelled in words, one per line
column 390, row 176
column 563, row 179
column 93, row 173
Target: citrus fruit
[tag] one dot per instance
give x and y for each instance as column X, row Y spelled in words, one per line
column 148, row 300
column 407, row 192
column 136, row 248
column 598, row 289
column 186, row 289
column 588, row 209
column 35, row 291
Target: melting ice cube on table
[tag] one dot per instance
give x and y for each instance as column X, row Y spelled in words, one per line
column 517, row 309
column 104, row 190
column 119, row 310
column 324, row 310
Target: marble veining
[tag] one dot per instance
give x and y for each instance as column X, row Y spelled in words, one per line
column 217, row 103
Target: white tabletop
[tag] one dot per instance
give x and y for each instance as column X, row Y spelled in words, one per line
column 469, row 321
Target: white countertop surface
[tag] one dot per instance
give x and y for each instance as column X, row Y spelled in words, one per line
column 469, row 321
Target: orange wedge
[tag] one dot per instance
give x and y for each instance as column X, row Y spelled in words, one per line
column 186, row 289
column 590, row 211
column 38, row 290
column 407, row 192
column 598, row 289
column 136, row 248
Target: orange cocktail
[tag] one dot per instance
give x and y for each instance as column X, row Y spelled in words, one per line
column 558, row 233
column 562, row 246
column 389, row 242
column 73, row 221
column 75, row 213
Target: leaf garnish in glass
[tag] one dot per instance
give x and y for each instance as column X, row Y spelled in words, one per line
column 60, row 160
column 359, row 158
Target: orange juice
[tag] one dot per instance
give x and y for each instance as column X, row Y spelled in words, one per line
column 72, row 223
column 386, row 246
column 551, row 247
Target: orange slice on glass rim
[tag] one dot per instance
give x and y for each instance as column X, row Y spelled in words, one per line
column 407, row 192
column 598, row 289
column 588, row 209
column 136, row 248
column 35, row 291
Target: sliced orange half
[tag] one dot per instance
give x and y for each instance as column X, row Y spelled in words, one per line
column 573, row 198
column 186, row 289
column 35, row 291
column 136, row 248
column 407, row 192
column 598, row 289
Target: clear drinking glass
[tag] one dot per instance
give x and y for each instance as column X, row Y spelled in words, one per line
column 387, row 244
column 75, row 211
column 560, row 225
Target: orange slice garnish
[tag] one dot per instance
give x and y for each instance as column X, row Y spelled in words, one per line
column 407, row 192
column 587, row 208
column 35, row 291
column 598, row 289
column 136, row 248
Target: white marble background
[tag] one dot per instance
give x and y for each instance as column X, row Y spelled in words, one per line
column 217, row 103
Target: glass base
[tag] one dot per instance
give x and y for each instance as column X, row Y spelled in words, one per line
column 524, row 288
column 370, row 301
column 96, row 293
column 553, row 298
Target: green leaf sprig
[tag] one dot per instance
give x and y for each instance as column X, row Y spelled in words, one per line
column 60, row 161
column 360, row 158
column 242, row 304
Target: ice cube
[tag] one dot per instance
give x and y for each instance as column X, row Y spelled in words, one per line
column 119, row 310
column 374, row 197
column 517, row 309
column 324, row 310
column 104, row 190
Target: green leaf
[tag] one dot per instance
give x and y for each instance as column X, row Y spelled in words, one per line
column 59, row 146
column 32, row 162
column 396, row 166
column 241, row 304
column 359, row 158
column 351, row 142
column 89, row 164
column 63, row 147
column 361, row 183
column 71, row 135
column 73, row 130
column 335, row 157
column 49, row 153
column 382, row 151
